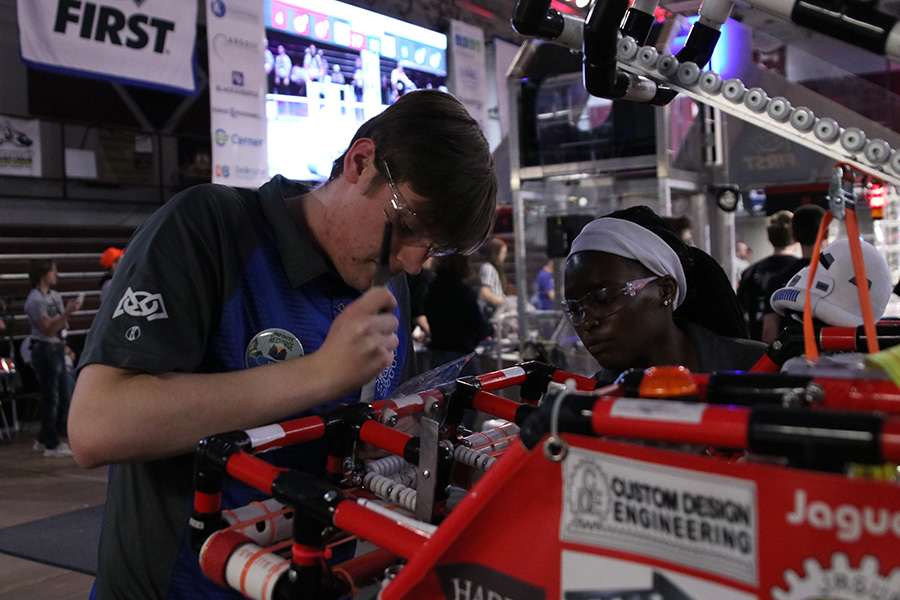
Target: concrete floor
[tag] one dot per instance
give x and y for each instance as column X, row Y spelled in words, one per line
column 33, row 487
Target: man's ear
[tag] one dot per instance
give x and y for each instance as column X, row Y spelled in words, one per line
column 359, row 156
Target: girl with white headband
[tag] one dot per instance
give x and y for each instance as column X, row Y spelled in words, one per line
column 639, row 297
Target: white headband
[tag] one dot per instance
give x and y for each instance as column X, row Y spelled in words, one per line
column 630, row 240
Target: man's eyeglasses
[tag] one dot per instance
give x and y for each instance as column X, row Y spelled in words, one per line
column 604, row 302
column 406, row 223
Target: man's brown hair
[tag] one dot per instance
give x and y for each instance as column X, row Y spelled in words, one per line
column 430, row 141
column 778, row 228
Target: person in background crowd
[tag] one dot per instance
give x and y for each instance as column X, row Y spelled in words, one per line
column 544, row 297
column 743, row 256
column 457, row 323
column 400, row 82
column 492, row 276
column 324, row 67
column 110, row 261
column 684, row 225
column 752, row 290
column 337, row 78
column 282, row 71
column 248, row 307
column 336, row 75
column 805, row 228
column 358, row 79
column 71, row 373
column 387, row 96
column 298, row 81
column 418, row 291
column 638, row 297
column 49, row 320
column 3, row 315
column 270, row 68
column 312, row 63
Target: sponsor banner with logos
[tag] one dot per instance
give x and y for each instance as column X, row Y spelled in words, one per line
column 140, row 42
column 20, row 147
column 615, row 520
column 237, row 92
column 468, row 72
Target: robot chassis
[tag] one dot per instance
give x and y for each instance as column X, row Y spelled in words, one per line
column 641, row 489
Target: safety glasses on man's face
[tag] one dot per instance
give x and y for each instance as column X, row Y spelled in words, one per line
column 407, row 228
column 605, row 301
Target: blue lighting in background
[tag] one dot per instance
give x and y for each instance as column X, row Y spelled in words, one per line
column 723, row 56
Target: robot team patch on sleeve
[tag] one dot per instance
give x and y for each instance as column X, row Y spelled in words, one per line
column 141, row 304
column 272, row 345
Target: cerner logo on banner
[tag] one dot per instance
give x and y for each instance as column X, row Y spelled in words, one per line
column 105, row 24
column 222, row 137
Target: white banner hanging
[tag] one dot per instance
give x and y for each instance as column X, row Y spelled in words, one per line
column 237, row 92
column 468, row 73
column 140, row 42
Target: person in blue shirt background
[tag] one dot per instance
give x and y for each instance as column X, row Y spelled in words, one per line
column 544, row 297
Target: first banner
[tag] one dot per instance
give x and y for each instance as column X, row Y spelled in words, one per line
column 139, row 42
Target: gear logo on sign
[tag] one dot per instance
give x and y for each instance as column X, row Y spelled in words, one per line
column 589, row 492
column 840, row 582
column 141, row 304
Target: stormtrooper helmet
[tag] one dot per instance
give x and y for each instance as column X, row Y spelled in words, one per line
column 834, row 297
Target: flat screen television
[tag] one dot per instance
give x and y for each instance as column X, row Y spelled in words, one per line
column 332, row 67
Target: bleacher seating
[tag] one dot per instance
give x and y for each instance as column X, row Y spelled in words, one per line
column 76, row 250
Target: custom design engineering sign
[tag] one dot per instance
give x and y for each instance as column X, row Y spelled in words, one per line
column 612, row 520
column 704, row 521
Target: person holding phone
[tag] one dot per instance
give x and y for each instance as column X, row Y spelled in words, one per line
column 49, row 320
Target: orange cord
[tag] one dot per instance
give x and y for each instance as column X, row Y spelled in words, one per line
column 809, row 334
column 862, row 283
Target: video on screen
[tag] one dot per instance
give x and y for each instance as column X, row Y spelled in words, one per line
column 332, row 66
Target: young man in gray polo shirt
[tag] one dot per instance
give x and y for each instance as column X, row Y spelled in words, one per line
column 233, row 309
